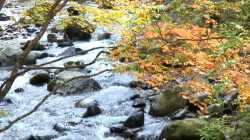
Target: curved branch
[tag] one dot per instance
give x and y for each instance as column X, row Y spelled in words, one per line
column 46, row 97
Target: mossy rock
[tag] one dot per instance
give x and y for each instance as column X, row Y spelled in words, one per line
column 77, row 50
column 39, row 78
column 78, row 63
column 168, row 102
column 51, row 38
column 183, row 129
column 76, row 32
column 3, row 113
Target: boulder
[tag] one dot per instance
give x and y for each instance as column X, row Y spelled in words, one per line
column 84, row 103
column 9, row 55
column 183, row 129
column 3, row 17
column 39, row 78
column 136, row 120
column 167, row 102
column 51, row 37
column 92, row 110
column 76, row 32
column 79, row 85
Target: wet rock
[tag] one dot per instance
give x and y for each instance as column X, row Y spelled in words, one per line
column 74, row 122
column 30, row 59
column 51, row 37
column 80, row 85
column 180, row 114
column 47, row 137
column 135, row 96
column 3, row 17
column 128, row 134
column 77, row 50
column 17, row 90
column 134, row 84
column 41, row 55
column 183, row 129
column 68, row 51
column 60, row 127
column 104, row 36
column 39, row 78
column 139, row 84
column 6, row 101
column 79, row 64
column 65, row 44
column 117, row 129
column 38, row 46
column 9, row 55
column 31, row 30
column 92, row 110
column 139, row 102
column 84, row 103
column 136, row 120
column 76, row 32
column 73, row 11
column 167, row 102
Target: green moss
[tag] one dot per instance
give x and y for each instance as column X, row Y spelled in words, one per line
column 183, row 129
column 3, row 113
column 52, row 84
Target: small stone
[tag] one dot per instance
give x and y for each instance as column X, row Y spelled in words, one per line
column 92, row 110
column 117, row 129
column 136, row 120
column 139, row 102
column 17, row 90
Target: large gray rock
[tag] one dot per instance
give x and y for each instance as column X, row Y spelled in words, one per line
column 9, row 55
column 80, row 85
column 183, row 129
column 167, row 102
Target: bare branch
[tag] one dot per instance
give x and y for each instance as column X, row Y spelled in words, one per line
column 46, row 97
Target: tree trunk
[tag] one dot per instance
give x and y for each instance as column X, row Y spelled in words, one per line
column 1, row 4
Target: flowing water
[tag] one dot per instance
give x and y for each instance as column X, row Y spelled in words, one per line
column 114, row 99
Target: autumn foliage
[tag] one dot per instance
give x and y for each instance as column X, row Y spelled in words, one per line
column 162, row 52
